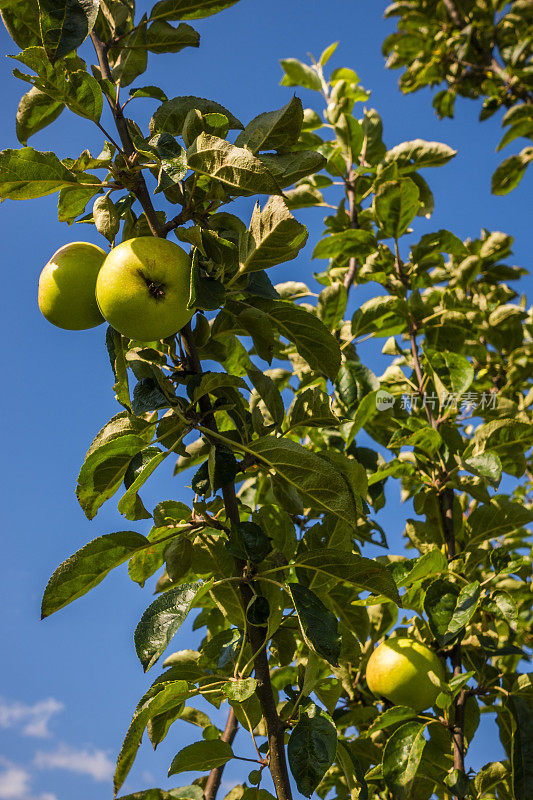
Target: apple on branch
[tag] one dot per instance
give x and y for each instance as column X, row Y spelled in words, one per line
column 398, row 671
column 143, row 288
column 67, row 284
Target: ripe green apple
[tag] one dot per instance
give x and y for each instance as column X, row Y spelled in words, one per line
column 398, row 670
column 143, row 288
column 67, row 284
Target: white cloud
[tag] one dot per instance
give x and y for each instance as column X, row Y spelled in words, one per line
column 31, row 720
column 15, row 783
column 95, row 763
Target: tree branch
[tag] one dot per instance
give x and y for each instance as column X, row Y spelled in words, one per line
column 215, row 776
column 453, row 13
column 275, row 730
column 445, row 499
column 265, row 694
column 354, row 223
column 139, row 188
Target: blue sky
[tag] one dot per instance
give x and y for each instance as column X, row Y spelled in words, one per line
column 69, row 684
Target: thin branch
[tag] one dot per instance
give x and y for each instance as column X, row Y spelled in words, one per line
column 412, row 339
column 215, row 776
column 140, row 188
column 453, row 13
column 354, row 223
column 446, row 498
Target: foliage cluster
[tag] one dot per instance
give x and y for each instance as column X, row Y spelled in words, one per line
column 480, row 49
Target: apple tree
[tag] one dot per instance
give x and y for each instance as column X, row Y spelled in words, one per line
column 287, row 440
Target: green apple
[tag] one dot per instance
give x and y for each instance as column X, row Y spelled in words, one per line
column 398, row 670
column 143, row 288
column 67, row 284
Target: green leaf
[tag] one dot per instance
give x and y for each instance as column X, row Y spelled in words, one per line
column 391, row 716
column 380, row 316
column 498, row 518
column 355, row 243
column 171, row 115
column 235, row 167
column 310, row 336
column 66, row 81
column 430, row 563
column 22, row 23
column 106, row 219
column 275, row 237
column 65, row 24
column 168, row 696
column 211, row 382
column 327, row 53
column 453, row 372
column 449, row 609
column 224, row 467
column 27, row 173
column 147, row 396
column 299, row 74
column 331, row 306
column 489, row 777
column 303, row 196
column 103, row 471
column 311, row 749
column 249, row 541
column 116, row 344
column 500, row 435
column 312, row 408
column 485, row 465
column 279, row 526
column 240, row 690
column 161, row 620
column 73, row 199
column 88, row 567
column 401, row 757
column 269, row 393
column 350, row 135
column 273, row 130
column 140, row 468
column 162, row 37
column 317, row 481
column 522, row 747
column 396, row 204
column 36, row 110
column 201, row 756
column 183, row 793
column 363, row 573
column 419, row 153
column 188, row 9
column 319, row 626
column 511, row 171
column 523, row 127
column 132, row 57
column 291, row 167
column 354, row 773
column 149, row 91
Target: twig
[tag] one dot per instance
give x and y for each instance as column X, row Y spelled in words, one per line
column 453, row 13
column 215, row 776
column 354, row 223
column 446, row 497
